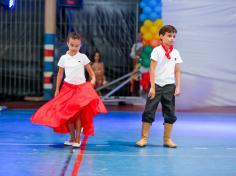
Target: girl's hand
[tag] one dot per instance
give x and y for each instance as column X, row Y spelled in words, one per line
column 93, row 82
column 151, row 93
column 56, row 93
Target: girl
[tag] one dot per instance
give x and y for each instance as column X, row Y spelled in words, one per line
column 74, row 106
column 98, row 68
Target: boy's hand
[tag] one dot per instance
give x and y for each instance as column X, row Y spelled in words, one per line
column 151, row 93
column 177, row 91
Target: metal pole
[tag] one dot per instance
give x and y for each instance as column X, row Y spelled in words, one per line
column 115, row 81
column 116, row 89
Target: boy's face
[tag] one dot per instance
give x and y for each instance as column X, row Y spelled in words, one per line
column 73, row 45
column 168, row 39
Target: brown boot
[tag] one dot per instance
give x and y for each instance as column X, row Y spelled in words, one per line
column 144, row 136
column 167, row 136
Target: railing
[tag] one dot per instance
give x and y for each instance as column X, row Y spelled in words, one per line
column 21, row 41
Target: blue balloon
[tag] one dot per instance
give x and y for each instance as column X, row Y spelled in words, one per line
column 153, row 16
column 157, row 16
column 142, row 17
column 159, row 4
column 147, row 10
column 157, row 9
column 158, row 1
column 142, row 5
column 152, row 3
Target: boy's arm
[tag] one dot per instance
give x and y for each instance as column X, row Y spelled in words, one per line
column 91, row 73
column 153, row 64
column 177, row 79
column 59, row 79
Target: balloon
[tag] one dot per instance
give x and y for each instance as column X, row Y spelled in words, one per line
column 157, row 37
column 147, row 10
column 145, row 81
column 153, row 16
column 157, row 9
column 147, row 49
column 153, row 29
column 155, row 43
column 147, row 23
column 144, row 55
column 145, row 62
column 142, row 4
column 147, row 36
column 143, row 30
column 158, row 23
column 145, row 42
column 159, row 1
column 142, row 17
column 152, row 3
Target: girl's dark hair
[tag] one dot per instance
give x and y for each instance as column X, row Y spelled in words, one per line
column 93, row 55
column 73, row 35
column 167, row 28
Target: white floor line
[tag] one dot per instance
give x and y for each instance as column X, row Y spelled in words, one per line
column 200, row 148
column 231, row 148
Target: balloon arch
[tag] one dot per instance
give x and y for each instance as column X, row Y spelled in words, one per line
column 151, row 22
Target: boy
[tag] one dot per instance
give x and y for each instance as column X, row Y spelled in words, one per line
column 165, row 85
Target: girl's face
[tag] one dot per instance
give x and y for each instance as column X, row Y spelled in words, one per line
column 97, row 57
column 74, row 46
column 168, row 39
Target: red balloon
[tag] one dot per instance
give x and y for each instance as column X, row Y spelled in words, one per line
column 155, row 43
column 145, row 81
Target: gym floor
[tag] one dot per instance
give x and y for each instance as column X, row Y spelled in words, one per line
column 206, row 146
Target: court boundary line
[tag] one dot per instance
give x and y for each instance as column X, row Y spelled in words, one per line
column 79, row 158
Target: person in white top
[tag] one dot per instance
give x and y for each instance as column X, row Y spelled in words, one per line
column 165, row 85
column 135, row 55
column 76, row 103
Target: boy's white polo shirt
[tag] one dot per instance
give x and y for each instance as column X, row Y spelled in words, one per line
column 165, row 68
column 74, row 67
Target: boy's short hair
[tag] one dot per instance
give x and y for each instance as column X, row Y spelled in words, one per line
column 167, row 28
column 73, row 35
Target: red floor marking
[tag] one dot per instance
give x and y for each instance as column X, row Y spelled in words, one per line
column 79, row 157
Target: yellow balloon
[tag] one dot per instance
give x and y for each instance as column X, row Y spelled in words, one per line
column 143, row 29
column 153, row 29
column 158, row 23
column 156, row 36
column 147, row 23
column 147, row 36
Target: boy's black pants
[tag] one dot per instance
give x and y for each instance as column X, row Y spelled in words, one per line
column 165, row 95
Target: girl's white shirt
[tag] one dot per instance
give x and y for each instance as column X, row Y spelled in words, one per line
column 74, row 67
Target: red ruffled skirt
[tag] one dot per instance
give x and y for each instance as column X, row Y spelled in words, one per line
column 73, row 101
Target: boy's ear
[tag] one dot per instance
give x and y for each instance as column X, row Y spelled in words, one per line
column 161, row 36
